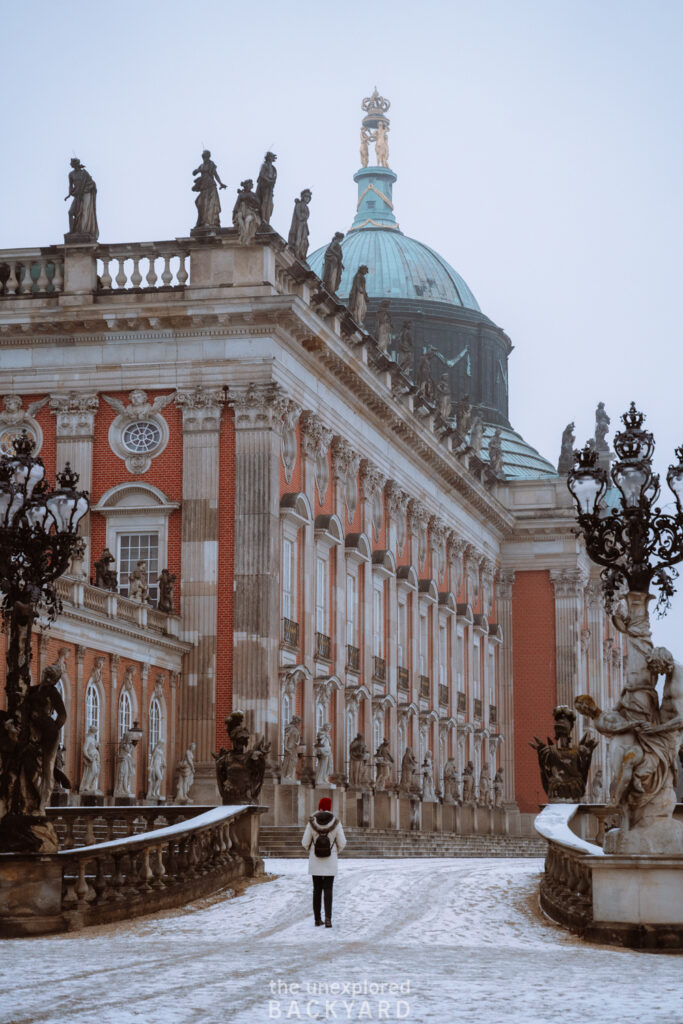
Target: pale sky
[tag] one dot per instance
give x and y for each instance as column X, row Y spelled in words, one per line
column 537, row 144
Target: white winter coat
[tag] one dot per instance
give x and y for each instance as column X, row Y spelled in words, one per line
column 324, row 865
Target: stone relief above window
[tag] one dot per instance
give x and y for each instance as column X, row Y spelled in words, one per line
column 14, row 419
column 138, row 433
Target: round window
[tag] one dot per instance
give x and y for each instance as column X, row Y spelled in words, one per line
column 141, row 436
column 8, row 436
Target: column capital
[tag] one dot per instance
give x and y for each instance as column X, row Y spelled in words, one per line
column 315, row 436
column 568, row 582
column 75, row 412
column 505, row 579
column 201, row 408
column 261, row 406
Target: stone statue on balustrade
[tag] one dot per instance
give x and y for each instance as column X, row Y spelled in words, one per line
column 265, row 187
column 383, row 326
column 644, row 740
column 428, row 792
column 358, row 755
column 496, row 453
column 566, row 459
column 185, row 770
column 425, row 382
column 358, row 296
column 333, row 264
column 405, row 348
column 83, row 210
column 602, row 422
column 298, row 232
column 156, row 773
column 124, row 784
column 90, row 780
column 166, row 592
column 477, row 434
column 408, row 769
column 76, row 566
column 291, row 750
column 444, row 403
column 485, row 786
column 240, row 771
column 452, row 782
column 597, row 787
column 468, row 784
column 138, row 586
column 498, row 788
column 246, row 214
column 564, row 767
column 383, row 763
column 105, row 572
column 463, row 415
column 207, row 202
column 323, row 754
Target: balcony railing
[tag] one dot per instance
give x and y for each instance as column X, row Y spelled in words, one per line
column 290, row 633
column 493, row 714
column 425, row 686
column 353, row 657
column 323, row 646
column 76, row 593
column 121, row 267
column 477, row 708
column 462, row 702
column 27, row 272
column 379, row 669
column 443, row 695
column 403, row 680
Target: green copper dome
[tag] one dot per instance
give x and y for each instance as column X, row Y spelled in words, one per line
column 399, row 267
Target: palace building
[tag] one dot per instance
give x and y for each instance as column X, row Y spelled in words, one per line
column 358, row 535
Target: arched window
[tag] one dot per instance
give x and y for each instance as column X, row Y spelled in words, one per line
column 125, row 713
column 154, row 724
column 92, row 708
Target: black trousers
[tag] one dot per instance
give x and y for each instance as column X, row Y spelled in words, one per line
column 322, row 884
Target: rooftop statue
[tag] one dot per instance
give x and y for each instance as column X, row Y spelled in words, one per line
column 239, row 771
column 382, row 144
column 375, row 129
column 364, row 143
column 105, row 572
column 602, row 422
column 333, row 265
column 566, row 460
column 405, row 347
column 82, row 212
column 383, row 328
column 358, row 297
column 463, row 415
column 564, row 768
column 265, row 186
column 477, row 434
column 496, row 452
column 443, row 397
column 207, row 202
column 246, row 214
column 298, row 232
column 166, row 591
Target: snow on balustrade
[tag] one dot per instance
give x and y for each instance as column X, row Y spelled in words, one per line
column 141, row 266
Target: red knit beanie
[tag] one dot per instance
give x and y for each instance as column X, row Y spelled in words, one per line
column 325, row 804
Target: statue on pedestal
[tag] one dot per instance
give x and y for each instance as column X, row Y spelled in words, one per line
column 246, row 214
column 425, row 383
column 485, row 794
column 166, row 591
column 333, row 264
column 185, row 775
column 323, row 753
column 602, row 422
column 468, row 784
column 291, row 750
column 124, row 785
column 498, row 788
column 298, row 232
column 477, row 434
column 597, row 787
column 383, row 762
column 265, row 187
column 496, row 452
column 463, row 415
column 564, row 768
column 452, row 781
column 138, row 587
column 358, row 754
column 90, row 781
column 82, row 212
column 207, row 202
column 239, row 771
column 157, row 770
column 358, row 296
column 444, row 402
column 383, row 328
column 405, row 348
column 566, row 459
column 428, row 793
column 408, row 768
column 105, row 573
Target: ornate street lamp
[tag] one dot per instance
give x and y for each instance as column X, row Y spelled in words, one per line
column 637, row 544
column 37, row 535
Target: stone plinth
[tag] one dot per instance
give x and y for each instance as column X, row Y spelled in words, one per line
column 431, row 816
column 467, row 812
column 641, row 890
column 30, row 895
column 404, row 812
column 451, row 818
column 289, row 804
column 386, row 810
column 91, row 800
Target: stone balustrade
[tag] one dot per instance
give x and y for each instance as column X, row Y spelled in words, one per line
column 138, row 267
column 79, row 594
column 129, row 876
column 28, row 272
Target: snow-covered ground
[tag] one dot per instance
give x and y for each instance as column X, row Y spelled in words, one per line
column 450, row 940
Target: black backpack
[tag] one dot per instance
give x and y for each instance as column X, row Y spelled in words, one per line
column 322, row 846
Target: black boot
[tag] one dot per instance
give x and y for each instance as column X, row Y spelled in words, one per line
column 318, row 922
column 328, row 923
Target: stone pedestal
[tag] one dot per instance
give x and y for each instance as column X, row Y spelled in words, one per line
column 59, row 799
column 289, row 805
column 205, row 788
column 467, row 812
column 386, row 810
column 429, row 816
column 30, row 895
column 482, row 821
column 498, row 821
column 91, row 800
column 637, row 901
column 124, row 801
column 449, row 814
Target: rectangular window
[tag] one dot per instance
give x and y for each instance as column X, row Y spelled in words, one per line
column 351, row 610
column 424, row 646
column 134, row 548
column 287, row 579
column 378, row 623
column 321, row 597
column 443, row 653
column 402, row 648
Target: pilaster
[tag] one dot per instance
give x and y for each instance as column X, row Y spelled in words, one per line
column 569, row 586
column 504, row 588
column 75, row 413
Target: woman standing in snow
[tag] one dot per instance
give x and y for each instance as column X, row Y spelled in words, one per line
column 323, row 839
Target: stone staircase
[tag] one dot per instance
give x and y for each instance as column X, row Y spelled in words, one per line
column 285, row 841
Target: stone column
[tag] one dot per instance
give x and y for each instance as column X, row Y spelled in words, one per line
column 259, row 410
column 108, row 781
column 201, row 409
column 144, row 725
column 172, row 755
column 505, row 581
column 569, row 586
column 75, row 412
